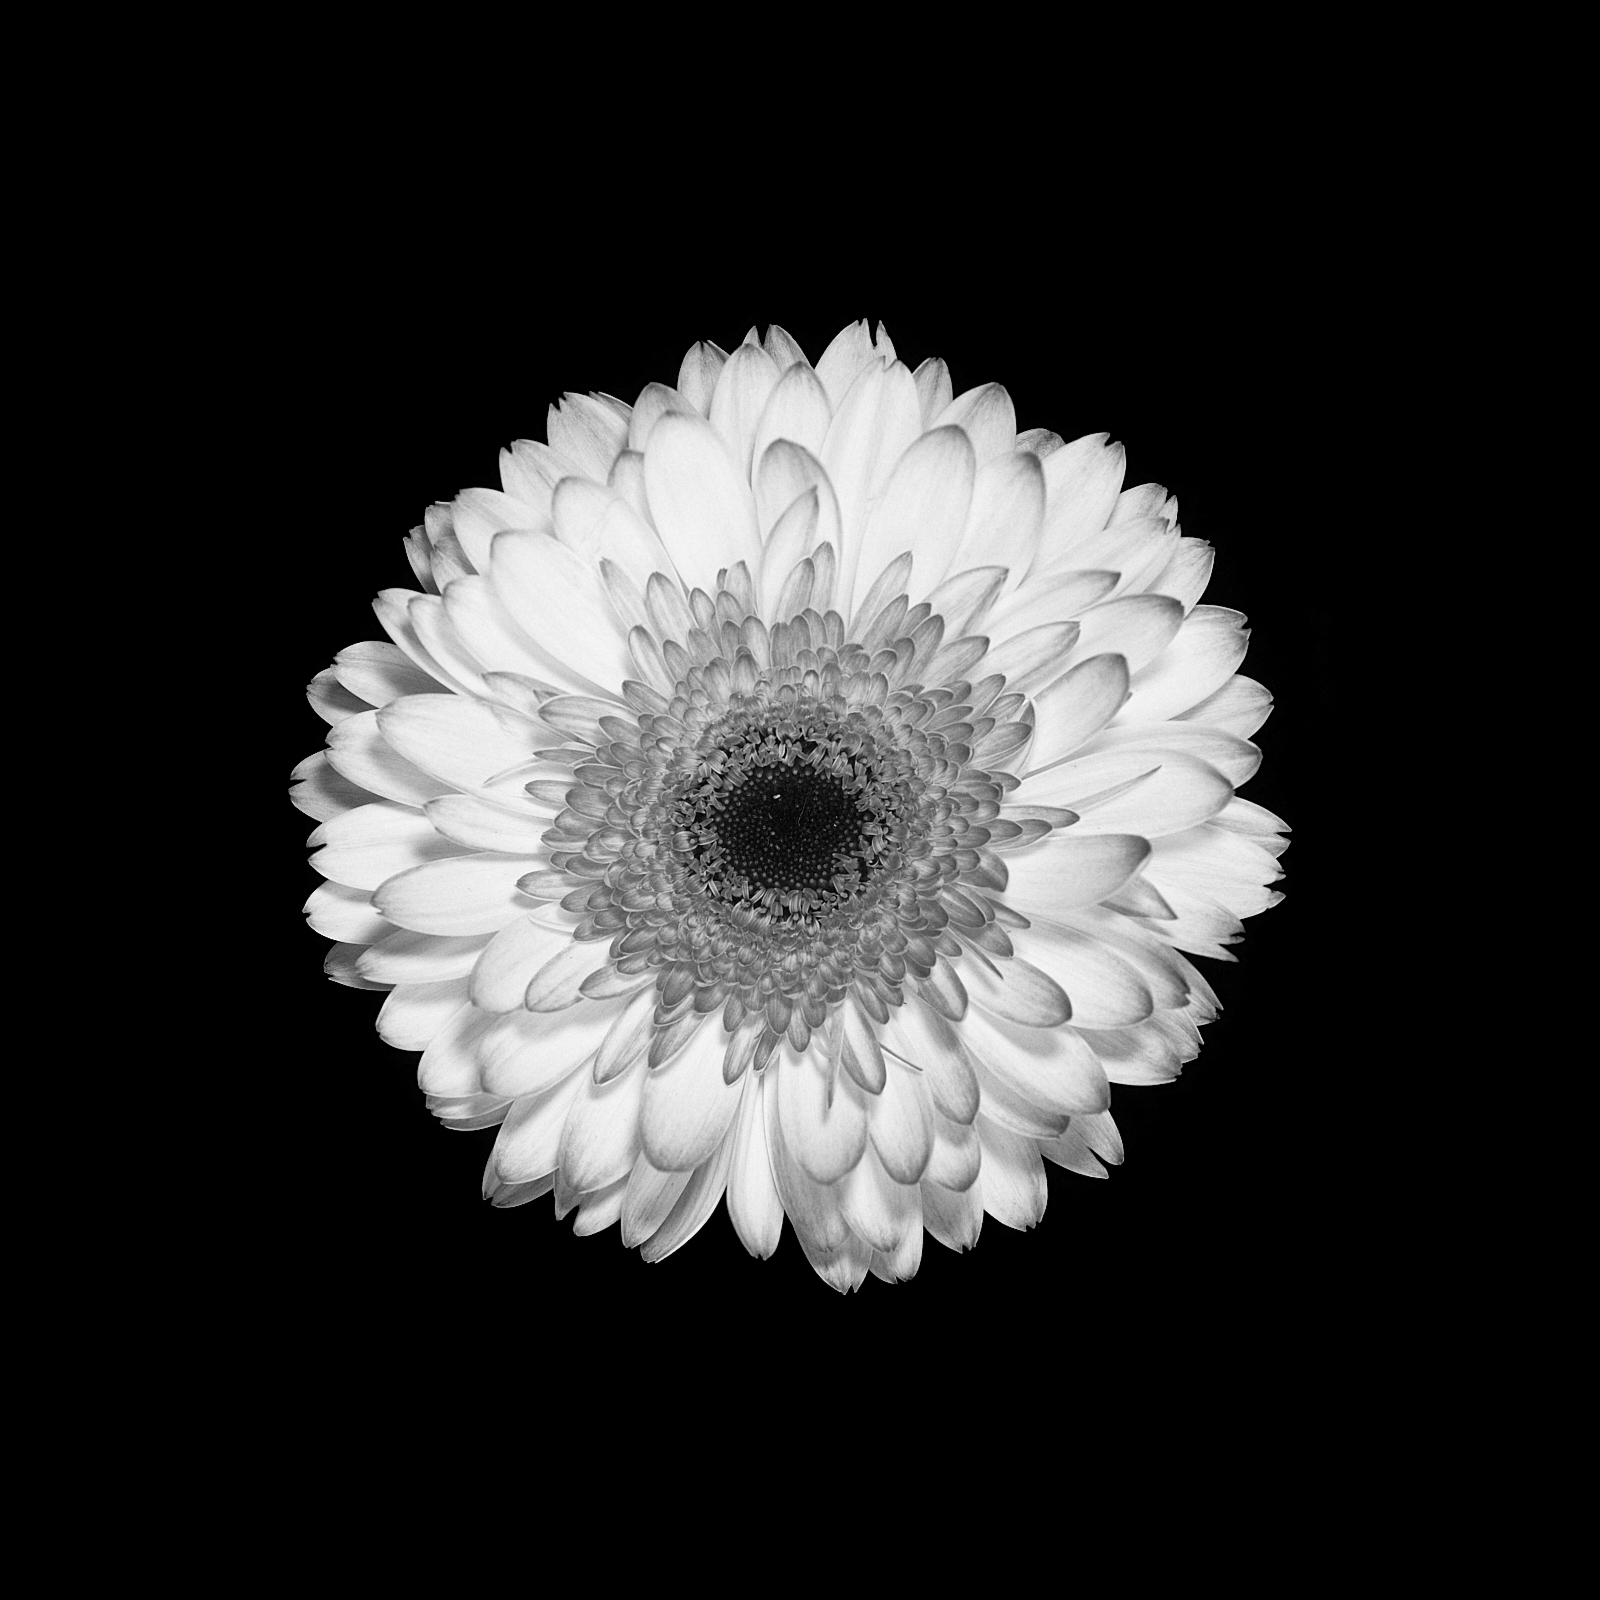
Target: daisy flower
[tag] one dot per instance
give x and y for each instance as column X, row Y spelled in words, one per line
column 798, row 788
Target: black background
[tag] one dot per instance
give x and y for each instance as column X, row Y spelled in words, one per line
column 404, row 358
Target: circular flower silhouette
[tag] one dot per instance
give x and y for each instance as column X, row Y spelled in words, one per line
column 799, row 787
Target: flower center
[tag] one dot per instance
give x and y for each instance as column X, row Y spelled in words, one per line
column 792, row 824
column 783, row 821
column 785, row 827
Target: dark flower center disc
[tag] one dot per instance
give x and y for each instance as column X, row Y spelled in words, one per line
column 789, row 828
column 786, row 823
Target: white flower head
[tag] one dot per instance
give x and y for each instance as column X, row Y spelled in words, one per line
column 797, row 787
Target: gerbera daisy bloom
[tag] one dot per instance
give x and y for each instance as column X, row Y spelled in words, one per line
column 797, row 787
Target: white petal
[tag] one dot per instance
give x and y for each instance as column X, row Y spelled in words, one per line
column 1200, row 925
column 753, row 1203
column 934, row 389
column 702, row 508
column 1239, row 707
column 860, row 1053
column 529, row 1140
column 784, row 471
column 1100, row 1134
column 1202, row 657
column 923, row 509
column 783, row 348
column 825, row 568
column 844, row 1269
column 687, row 1109
column 1147, row 1054
column 323, row 793
column 655, row 401
column 414, row 1012
column 627, row 482
column 1158, row 965
column 667, row 612
column 739, row 400
column 576, row 510
column 1006, row 520
column 600, row 1142
column 879, row 1211
column 1050, row 1067
column 1244, row 816
column 1014, row 1110
column 1082, row 480
column 559, row 982
column 340, row 965
column 900, row 1123
column 529, row 470
column 517, row 951
column 650, row 1198
column 1145, row 500
column 956, row 1153
column 797, row 409
column 987, row 416
column 1235, row 758
column 483, row 824
column 623, row 537
column 1137, row 627
column 588, row 433
column 362, row 848
column 1040, row 441
column 1012, row 1181
column 825, row 1136
column 439, row 537
column 872, row 427
column 1142, row 547
column 463, row 742
column 1131, row 791
column 554, row 599
column 1229, row 868
column 629, row 1037
column 964, row 598
column 793, row 537
column 477, row 515
column 621, row 407
column 469, row 894
column 406, row 957
column 1055, row 597
column 449, row 1066
column 1105, row 991
column 359, row 752
column 346, row 915
column 600, row 1209
column 842, row 362
column 1028, row 659
column 697, row 376
column 812, row 1207
column 526, row 1052
column 694, row 1207
column 481, row 622
column 918, row 1034
column 954, row 1218
column 1019, row 992
column 1186, row 575
column 392, row 607
column 1064, row 870
column 378, row 672
column 1072, row 709
column 445, row 644
column 1071, row 1150
column 577, row 718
